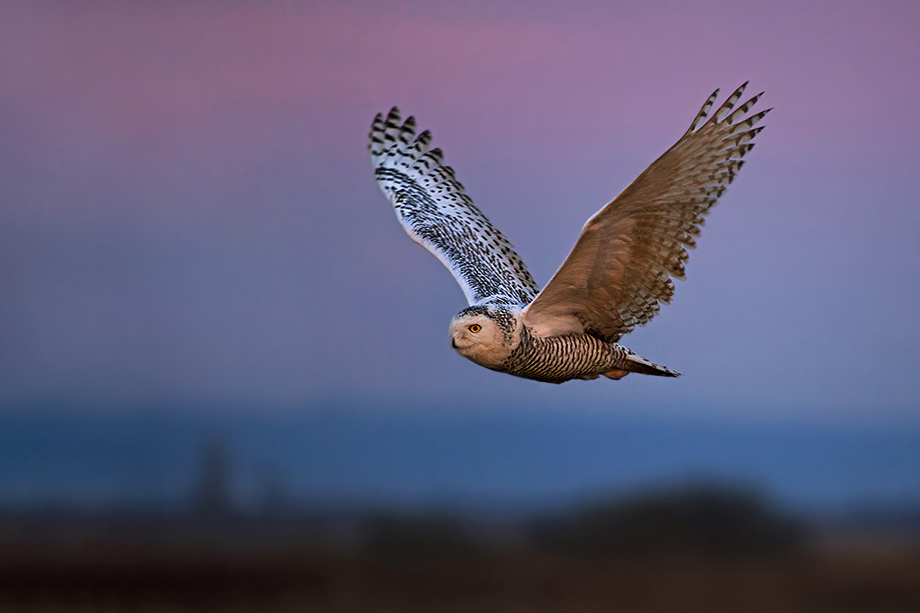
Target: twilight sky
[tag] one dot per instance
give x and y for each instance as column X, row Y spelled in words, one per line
column 187, row 210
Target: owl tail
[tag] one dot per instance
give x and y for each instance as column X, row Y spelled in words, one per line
column 636, row 363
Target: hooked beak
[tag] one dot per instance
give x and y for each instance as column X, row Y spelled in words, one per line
column 453, row 342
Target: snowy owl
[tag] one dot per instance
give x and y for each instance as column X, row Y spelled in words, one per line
column 614, row 279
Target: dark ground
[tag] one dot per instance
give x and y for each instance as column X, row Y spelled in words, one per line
column 698, row 548
column 105, row 577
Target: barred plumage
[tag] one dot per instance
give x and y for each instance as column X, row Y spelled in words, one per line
column 616, row 276
column 436, row 213
column 558, row 359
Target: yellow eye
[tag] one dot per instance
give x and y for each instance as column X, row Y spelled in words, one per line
column 475, row 328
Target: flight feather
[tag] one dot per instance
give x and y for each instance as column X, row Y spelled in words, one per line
column 620, row 270
column 435, row 212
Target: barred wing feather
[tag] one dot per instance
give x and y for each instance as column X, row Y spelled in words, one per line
column 620, row 269
column 436, row 213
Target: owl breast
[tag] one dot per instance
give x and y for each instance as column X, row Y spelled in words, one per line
column 560, row 358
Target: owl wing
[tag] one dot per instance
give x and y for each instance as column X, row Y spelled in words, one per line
column 436, row 213
column 621, row 267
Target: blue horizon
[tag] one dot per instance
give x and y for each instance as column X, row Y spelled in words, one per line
column 485, row 459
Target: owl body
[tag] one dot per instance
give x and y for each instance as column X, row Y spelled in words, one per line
column 496, row 337
column 617, row 275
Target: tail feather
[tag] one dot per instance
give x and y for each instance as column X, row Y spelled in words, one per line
column 636, row 363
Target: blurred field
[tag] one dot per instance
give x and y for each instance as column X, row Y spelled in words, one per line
column 696, row 549
column 712, row 545
column 103, row 577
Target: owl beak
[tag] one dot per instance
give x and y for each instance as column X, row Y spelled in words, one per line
column 453, row 342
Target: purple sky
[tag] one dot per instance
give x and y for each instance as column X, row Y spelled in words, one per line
column 187, row 210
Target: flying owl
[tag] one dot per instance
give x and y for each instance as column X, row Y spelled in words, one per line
column 616, row 276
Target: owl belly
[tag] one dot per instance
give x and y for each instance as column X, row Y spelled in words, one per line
column 561, row 358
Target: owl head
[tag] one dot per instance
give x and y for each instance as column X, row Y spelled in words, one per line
column 484, row 334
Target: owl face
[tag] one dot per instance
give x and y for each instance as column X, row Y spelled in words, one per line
column 479, row 338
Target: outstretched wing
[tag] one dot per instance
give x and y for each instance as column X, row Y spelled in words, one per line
column 436, row 213
column 620, row 268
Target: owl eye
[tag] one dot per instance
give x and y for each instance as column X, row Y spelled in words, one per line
column 475, row 328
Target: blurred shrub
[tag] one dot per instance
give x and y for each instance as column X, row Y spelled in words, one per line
column 698, row 521
column 392, row 535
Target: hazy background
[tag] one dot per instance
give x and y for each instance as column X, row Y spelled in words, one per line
column 193, row 248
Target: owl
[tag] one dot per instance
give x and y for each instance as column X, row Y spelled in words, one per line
column 617, row 275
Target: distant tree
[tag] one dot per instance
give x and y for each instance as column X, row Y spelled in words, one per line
column 697, row 521
column 274, row 494
column 212, row 496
